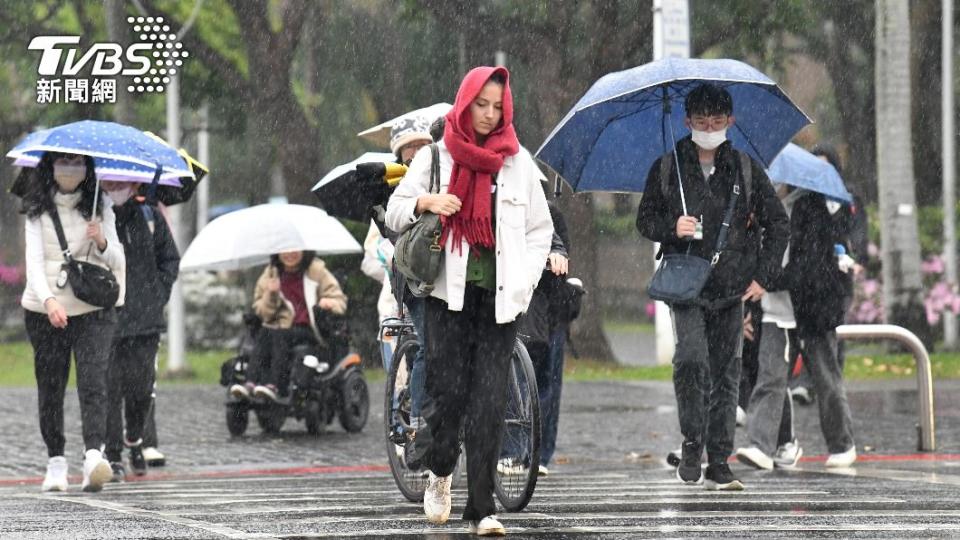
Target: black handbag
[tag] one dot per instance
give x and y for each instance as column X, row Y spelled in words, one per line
column 681, row 277
column 91, row 283
column 419, row 254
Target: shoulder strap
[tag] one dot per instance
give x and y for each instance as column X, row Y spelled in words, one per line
column 746, row 168
column 434, row 168
column 62, row 238
column 725, row 226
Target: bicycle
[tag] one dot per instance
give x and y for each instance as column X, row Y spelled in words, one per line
column 516, row 477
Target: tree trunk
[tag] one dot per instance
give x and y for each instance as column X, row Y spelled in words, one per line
column 902, row 286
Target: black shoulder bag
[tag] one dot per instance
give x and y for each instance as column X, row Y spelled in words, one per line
column 91, row 283
column 681, row 276
column 419, row 254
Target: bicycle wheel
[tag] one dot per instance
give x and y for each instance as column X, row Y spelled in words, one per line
column 519, row 460
column 396, row 419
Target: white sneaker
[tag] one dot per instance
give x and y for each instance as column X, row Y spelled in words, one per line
column 96, row 471
column 843, row 459
column 741, row 416
column 56, row 477
column 510, row 467
column 754, row 457
column 240, row 391
column 543, row 471
column 154, row 457
column 436, row 499
column 788, row 455
column 488, row 526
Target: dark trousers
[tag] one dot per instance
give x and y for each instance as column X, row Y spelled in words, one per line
column 820, row 358
column 467, row 355
column 88, row 337
column 150, row 426
column 549, row 385
column 272, row 355
column 706, row 376
column 130, row 389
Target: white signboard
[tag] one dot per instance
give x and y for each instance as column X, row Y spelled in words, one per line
column 671, row 29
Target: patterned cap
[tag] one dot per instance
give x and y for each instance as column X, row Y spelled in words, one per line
column 408, row 129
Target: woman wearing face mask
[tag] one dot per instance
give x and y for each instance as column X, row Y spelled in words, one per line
column 57, row 322
column 496, row 236
column 152, row 266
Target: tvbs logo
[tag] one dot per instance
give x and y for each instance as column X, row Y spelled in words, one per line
column 150, row 62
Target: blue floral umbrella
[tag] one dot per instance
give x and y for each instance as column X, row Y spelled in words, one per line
column 628, row 119
column 119, row 152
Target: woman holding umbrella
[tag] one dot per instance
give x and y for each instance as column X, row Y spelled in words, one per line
column 57, row 322
column 496, row 237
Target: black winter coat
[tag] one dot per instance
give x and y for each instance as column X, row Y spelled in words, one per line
column 548, row 307
column 153, row 263
column 819, row 291
column 763, row 217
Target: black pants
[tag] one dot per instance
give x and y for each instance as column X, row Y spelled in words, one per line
column 272, row 358
column 88, row 337
column 706, row 376
column 467, row 358
column 130, row 388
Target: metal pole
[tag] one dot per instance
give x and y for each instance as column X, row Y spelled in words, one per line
column 176, row 327
column 927, row 432
column 500, row 58
column 203, row 154
column 949, row 175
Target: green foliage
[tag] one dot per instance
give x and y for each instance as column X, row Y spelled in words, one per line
column 929, row 223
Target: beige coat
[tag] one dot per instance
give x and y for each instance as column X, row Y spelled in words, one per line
column 277, row 312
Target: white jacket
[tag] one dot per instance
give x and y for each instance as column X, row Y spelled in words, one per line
column 377, row 257
column 44, row 257
column 523, row 230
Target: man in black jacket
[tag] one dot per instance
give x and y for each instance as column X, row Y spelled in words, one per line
column 152, row 266
column 710, row 331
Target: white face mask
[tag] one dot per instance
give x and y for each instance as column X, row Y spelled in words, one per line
column 122, row 195
column 69, row 177
column 709, row 140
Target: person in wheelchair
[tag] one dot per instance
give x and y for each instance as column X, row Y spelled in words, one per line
column 292, row 293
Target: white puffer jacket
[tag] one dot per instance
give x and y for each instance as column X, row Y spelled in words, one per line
column 44, row 257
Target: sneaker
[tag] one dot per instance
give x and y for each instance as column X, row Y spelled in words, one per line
column 488, row 526
column 268, row 391
column 843, row 459
column 720, row 478
column 673, row 457
column 96, row 471
column 436, row 499
column 788, row 455
column 154, row 457
column 802, row 395
column 741, row 416
column 755, row 457
column 542, row 470
column 239, row 391
column 510, row 467
column 689, row 471
column 56, row 477
column 119, row 471
column 138, row 464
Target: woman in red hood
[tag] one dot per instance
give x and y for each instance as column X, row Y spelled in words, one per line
column 496, row 237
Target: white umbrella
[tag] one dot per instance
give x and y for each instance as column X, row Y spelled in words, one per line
column 248, row 237
column 380, row 133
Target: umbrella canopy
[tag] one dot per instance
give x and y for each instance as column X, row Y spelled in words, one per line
column 119, row 152
column 344, row 193
column 615, row 132
column 380, row 133
column 248, row 237
column 797, row 167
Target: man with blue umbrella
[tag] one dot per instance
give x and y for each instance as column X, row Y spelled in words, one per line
column 709, row 200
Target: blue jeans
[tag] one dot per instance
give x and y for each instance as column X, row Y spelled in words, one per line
column 418, row 373
column 549, row 384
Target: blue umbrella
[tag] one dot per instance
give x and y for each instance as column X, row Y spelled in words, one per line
column 797, row 167
column 628, row 119
column 119, row 152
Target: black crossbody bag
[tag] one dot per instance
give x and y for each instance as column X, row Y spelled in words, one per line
column 91, row 283
column 419, row 254
column 681, row 276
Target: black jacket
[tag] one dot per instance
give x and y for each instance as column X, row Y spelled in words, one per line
column 765, row 218
column 819, row 291
column 152, row 266
column 548, row 307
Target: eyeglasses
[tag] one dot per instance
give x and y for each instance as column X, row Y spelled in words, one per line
column 711, row 123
